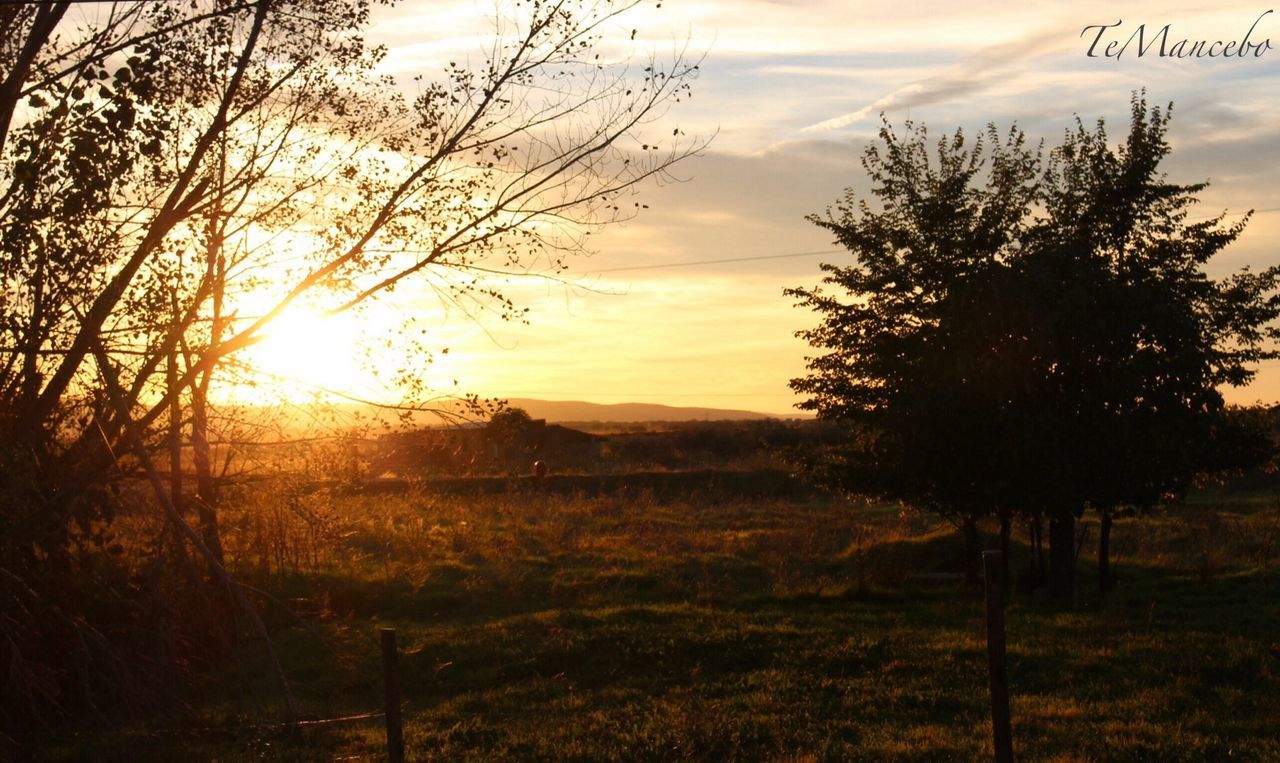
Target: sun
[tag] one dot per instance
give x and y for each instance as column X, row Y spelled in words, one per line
column 368, row 356
column 305, row 352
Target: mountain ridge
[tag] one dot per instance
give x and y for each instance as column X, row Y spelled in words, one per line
column 581, row 410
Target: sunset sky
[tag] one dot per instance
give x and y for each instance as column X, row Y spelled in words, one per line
column 793, row 89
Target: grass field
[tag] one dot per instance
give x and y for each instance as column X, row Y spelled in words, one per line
column 630, row 627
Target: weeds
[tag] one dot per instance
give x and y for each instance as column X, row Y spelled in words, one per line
column 633, row 627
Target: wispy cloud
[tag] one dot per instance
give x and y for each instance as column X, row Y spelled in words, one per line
column 972, row 75
column 792, row 85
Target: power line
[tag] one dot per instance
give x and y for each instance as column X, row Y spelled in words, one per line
column 789, row 255
column 1231, row 212
column 720, row 262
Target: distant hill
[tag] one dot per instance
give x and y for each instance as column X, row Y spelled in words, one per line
column 577, row 410
column 311, row 419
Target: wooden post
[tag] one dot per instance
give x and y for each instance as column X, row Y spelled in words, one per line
column 391, row 684
column 1002, row 734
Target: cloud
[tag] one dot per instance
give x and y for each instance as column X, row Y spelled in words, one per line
column 971, row 75
column 835, row 123
column 790, row 84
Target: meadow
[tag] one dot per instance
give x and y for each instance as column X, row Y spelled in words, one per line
column 724, row 624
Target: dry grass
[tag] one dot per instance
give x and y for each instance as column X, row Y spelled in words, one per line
column 537, row 626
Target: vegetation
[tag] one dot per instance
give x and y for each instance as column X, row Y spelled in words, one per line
column 622, row 627
column 174, row 177
column 1018, row 340
column 1017, row 336
column 510, row 444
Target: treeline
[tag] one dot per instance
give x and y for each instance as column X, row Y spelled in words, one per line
column 513, row 442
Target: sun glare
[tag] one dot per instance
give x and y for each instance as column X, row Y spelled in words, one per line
column 305, row 353
column 366, row 356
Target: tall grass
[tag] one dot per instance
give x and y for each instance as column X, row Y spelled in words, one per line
column 629, row 627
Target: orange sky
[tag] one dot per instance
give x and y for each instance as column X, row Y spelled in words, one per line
column 794, row 89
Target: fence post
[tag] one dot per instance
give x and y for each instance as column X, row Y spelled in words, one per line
column 1001, row 731
column 391, row 684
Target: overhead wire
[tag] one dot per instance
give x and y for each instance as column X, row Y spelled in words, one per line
column 816, row 253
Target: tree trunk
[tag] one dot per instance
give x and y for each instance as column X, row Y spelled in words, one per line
column 206, row 485
column 969, row 528
column 1035, row 531
column 1062, row 556
column 1005, row 528
column 24, row 58
column 178, row 548
column 206, row 489
column 1106, row 581
column 175, row 435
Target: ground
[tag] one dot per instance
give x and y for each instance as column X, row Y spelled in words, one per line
column 722, row 626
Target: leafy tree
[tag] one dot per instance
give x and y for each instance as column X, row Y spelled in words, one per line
column 508, row 433
column 1139, row 365
column 947, row 215
column 1076, row 362
column 176, row 176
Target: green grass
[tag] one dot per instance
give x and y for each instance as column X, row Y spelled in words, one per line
column 632, row 628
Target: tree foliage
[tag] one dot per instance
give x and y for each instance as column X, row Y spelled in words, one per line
column 176, row 176
column 1019, row 334
column 898, row 364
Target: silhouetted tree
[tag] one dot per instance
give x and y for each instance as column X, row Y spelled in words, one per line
column 895, row 368
column 1060, row 360
column 508, row 434
column 1140, row 354
column 176, row 176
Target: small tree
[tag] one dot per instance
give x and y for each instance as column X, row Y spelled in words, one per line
column 895, row 368
column 1138, row 365
column 507, row 434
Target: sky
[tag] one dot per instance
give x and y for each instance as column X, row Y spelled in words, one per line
column 792, row 90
